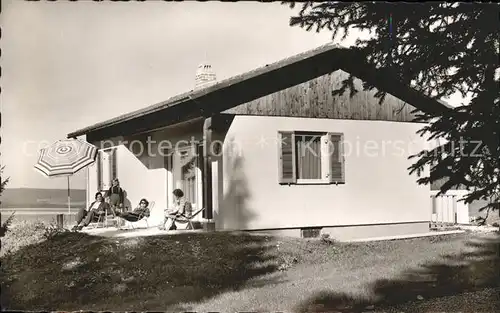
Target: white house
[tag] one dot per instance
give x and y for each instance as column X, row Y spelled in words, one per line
column 275, row 150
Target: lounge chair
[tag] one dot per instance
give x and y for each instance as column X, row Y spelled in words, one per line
column 188, row 218
column 99, row 219
column 143, row 217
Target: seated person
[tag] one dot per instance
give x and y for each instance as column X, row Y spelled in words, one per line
column 181, row 208
column 138, row 213
column 86, row 215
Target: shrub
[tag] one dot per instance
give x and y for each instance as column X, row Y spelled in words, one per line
column 325, row 238
column 3, row 183
column 6, row 225
column 26, row 233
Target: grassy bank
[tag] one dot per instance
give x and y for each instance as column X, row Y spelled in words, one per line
column 389, row 276
column 75, row 271
column 235, row 272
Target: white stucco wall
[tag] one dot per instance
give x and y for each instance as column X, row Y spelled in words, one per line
column 378, row 187
column 138, row 181
column 247, row 195
column 142, row 174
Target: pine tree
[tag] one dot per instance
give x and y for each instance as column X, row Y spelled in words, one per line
column 437, row 48
column 3, row 183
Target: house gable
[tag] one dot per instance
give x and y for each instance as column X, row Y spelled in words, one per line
column 287, row 79
column 314, row 99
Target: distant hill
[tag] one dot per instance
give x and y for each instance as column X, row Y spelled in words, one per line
column 41, row 198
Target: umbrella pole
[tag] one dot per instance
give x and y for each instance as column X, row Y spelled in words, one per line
column 69, row 200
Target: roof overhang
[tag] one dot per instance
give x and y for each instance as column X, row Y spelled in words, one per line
column 252, row 85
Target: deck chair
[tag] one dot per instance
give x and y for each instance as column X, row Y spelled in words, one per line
column 109, row 217
column 101, row 218
column 188, row 218
column 144, row 217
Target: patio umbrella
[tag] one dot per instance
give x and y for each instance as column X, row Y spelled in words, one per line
column 65, row 158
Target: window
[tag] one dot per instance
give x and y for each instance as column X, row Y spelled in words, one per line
column 313, row 232
column 310, row 157
column 107, row 168
column 186, row 169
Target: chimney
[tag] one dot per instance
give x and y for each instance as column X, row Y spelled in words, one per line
column 205, row 76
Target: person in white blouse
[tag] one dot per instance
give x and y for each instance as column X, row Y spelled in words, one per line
column 86, row 215
column 180, row 208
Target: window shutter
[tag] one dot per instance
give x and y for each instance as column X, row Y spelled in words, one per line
column 337, row 171
column 287, row 162
column 110, row 167
column 99, row 170
column 325, row 159
column 105, row 170
column 114, row 166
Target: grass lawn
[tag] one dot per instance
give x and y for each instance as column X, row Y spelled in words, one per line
column 231, row 272
column 390, row 276
column 75, row 271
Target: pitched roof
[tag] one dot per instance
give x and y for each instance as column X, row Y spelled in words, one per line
column 265, row 80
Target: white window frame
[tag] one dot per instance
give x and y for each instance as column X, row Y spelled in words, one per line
column 323, row 157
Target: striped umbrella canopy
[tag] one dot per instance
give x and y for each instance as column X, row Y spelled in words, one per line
column 65, row 157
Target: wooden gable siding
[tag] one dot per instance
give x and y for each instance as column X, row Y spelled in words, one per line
column 314, row 99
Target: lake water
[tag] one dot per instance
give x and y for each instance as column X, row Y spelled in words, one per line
column 40, row 214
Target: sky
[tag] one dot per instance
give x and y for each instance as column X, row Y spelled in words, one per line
column 67, row 65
